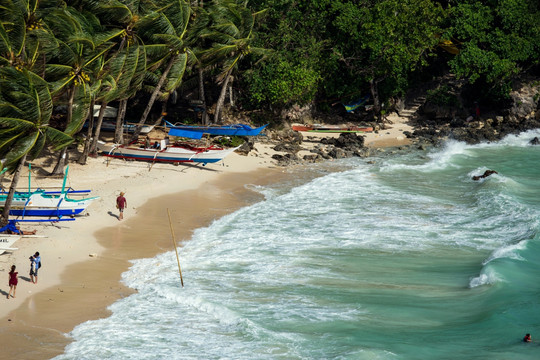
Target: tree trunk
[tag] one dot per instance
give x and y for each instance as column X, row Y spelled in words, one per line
column 163, row 113
column 203, row 98
column 374, row 85
column 119, row 130
column 61, row 162
column 153, row 97
column 62, row 157
column 86, row 150
column 93, row 146
column 221, row 99
column 13, row 186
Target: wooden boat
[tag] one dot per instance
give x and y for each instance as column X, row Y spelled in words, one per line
column 227, row 130
column 165, row 152
column 8, row 235
column 39, row 203
column 110, row 125
column 48, row 203
column 331, row 128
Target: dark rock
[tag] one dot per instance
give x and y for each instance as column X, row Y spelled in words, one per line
column 348, row 141
column 338, row 153
column 286, row 159
column 246, row 147
column 289, row 147
column 484, row 175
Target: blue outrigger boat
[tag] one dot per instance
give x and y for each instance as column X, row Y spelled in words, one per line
column 226, row 130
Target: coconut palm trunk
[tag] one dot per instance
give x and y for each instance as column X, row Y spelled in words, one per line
column 202, row 97
column 11, row 194
column 87, row 141
column 93, row 146
column 119, row 130
column 221, row 99
column 62, row 158
column 154, row 96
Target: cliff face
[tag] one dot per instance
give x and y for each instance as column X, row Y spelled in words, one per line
column 526, row 101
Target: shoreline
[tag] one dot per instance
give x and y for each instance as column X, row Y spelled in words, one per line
column 84, row 279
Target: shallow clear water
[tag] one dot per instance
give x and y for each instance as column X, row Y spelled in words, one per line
column 403, row 258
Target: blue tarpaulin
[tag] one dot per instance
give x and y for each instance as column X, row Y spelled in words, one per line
column 186, row 133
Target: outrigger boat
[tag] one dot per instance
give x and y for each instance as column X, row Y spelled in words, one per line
column 226, row 130
column 8, row 235
column 47, row 203
column 165, row 152
column 39, row 203
column 331, row 128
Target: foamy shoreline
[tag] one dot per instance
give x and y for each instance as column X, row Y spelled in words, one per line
column 37, row 316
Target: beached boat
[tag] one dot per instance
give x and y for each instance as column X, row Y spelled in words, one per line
column 226, row 130
column 166, row 153
column 48, row 203
column 331, row 128
column 41, row 203
column 7, row 241
column 8, row 235
column 110, row 125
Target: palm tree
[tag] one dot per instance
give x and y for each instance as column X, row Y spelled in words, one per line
column 166, row 31
column 72, row 68
column 232, row 34
column 25, row 110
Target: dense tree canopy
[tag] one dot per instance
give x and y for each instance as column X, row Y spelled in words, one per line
column 278, row 52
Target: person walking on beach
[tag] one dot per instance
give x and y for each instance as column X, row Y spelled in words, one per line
column 13, row 281
column 121, row 203
column 35, row 264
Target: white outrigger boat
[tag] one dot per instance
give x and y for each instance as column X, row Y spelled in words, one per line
column 6, row 241
column 165, row 152
column 48, row 203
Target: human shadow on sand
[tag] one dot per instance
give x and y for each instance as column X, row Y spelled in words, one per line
column 113, row 215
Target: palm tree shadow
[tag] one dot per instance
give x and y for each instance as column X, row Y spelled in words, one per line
column 113, row 215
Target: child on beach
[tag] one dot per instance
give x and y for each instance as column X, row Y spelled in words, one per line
column 13, row 281
column 121, row 203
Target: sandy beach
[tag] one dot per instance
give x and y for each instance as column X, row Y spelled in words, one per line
column 83, row 260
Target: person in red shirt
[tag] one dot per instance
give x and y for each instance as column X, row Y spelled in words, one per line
column 527, row 338
column 121, row 203
column 13, row 281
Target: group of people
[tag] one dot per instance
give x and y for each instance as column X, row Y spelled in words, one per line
column 35, row 264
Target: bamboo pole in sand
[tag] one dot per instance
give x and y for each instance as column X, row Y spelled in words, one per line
column 175, row 248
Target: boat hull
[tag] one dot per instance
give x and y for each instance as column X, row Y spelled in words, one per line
column 41, row 203
column 226, row 130
column 171, row 154
column 6, row 242
column 331, row 129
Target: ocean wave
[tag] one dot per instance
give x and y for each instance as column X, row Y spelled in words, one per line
column 486, row 277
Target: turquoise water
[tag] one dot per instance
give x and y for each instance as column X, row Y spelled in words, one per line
column 401, row 258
